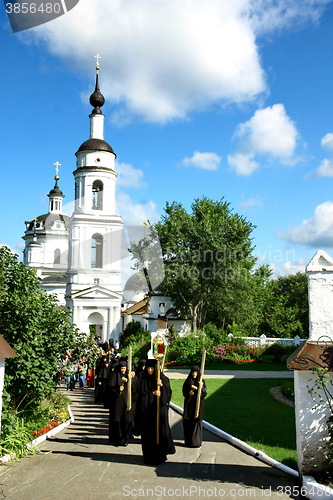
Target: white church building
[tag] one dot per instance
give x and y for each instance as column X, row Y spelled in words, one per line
column 78, row 258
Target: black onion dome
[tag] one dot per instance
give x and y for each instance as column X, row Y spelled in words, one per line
column 56, row 191
column 94, row 144
column 97, row 99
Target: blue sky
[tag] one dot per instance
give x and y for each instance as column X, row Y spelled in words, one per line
column 207, row 98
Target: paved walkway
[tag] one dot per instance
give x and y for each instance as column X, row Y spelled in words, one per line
column 78, row 464
column 175, row 373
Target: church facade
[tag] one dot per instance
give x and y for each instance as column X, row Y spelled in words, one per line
column 78, row 258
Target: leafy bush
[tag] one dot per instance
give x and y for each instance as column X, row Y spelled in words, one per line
column 288, row 390
column 279, row 352
column 134, row 333
column 266, row 358
column 26, row 425
column 216, row 335
column 188, row 349
column 139, row 349
column 38, row 330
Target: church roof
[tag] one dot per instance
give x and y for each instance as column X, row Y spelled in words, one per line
column 94, row 144
column 55, row 278
column 47, row 220
column 56, row 191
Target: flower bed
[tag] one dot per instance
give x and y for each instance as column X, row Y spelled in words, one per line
column 47, row 428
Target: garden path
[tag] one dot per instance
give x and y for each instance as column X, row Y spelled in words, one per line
column 78, row 463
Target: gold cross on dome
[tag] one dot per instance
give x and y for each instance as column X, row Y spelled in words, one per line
column 57, row 165
column 98, row 57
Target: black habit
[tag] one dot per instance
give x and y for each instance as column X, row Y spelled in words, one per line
column 121, row 420
column 193, row 426
column 154, row 453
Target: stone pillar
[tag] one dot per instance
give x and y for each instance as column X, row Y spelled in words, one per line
column 311, row 430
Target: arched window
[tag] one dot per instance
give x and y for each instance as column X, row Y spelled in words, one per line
column 97, row 195
column 56, row 258
column 97, row 251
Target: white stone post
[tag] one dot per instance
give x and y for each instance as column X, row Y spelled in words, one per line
column 311, row 430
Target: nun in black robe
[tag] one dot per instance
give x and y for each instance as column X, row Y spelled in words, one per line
column 193, row 426
column 137, row 419
column 153, row 453
column 101, row 371
column 121, row 419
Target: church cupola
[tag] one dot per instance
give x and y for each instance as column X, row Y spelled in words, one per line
column 96, row 140
column 56, row 195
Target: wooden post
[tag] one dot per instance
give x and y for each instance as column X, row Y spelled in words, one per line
column 129, row 383
column 158, row 353
column 197, row 408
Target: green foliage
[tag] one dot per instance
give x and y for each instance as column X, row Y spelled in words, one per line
column 216, row 335
column 208, row 258
column 139, row 349
column 16, row 438
column 16, row 443
column 276, row 352
column 134, row 333
column 86, row 347
column 288, row 390
column 188, row 349
column 39, row 331
column 286, row 311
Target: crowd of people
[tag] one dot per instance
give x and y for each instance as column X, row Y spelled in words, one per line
column 138, row 398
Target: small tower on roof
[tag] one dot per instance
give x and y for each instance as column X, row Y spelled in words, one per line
column 46, row 244
column 56, row 195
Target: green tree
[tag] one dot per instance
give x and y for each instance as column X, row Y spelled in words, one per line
column 37, row 329
column 207, row 256
column 286, row 312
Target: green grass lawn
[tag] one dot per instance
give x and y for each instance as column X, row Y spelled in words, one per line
column 246, row 410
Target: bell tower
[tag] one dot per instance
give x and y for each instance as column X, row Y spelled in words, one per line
column 94, row 275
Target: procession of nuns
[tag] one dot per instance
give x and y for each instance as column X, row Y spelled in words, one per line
column 138, row 402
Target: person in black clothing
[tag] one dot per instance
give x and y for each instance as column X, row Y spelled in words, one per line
column 149, row 392
column 101, row 372
column 193, row 426
column 121, row 418
column 140, row 368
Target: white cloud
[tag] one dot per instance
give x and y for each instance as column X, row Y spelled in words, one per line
column 204, row 161
column 325, row 168
column 162, row 60
column 242, row 164
column 314, row 232
column 327, row 141
column 251, row 203
column 270, row 15
column 128, row 176
column 270, row 133
column 134, row 213
column 287, row 268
